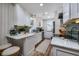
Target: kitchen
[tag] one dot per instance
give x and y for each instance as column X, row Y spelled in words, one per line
column 33, row 26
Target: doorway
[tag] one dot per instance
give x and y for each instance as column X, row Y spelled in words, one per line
column 48, row 28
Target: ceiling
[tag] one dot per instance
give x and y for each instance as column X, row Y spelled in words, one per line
column 36, row 9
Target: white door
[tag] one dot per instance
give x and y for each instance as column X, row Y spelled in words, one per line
column 48, row 28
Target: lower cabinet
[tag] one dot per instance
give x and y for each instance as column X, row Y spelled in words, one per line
column 58, row 51
column 27, row 44
column 30, row 42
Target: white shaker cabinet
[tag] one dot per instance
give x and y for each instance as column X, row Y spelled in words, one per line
column 66, row 14
column 73, row 10
column 78, row 9
column 29, row 45
column 70, row 10
column 30, row 42
column 64, row 47
column 26, row 42
column 58, row 51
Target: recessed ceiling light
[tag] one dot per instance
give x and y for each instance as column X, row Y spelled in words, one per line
column 41, row 4
column 49, row 17
column 46, row 13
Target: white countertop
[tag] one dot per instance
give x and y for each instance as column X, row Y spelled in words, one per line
column 58, row 41
column 20, row 36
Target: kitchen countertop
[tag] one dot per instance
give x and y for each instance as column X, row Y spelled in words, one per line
column 61, row 42
column 20, row 36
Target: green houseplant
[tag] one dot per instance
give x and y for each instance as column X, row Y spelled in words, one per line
column 20, row 29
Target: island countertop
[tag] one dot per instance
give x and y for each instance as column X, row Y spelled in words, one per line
column 61, row 42
column 20, row 36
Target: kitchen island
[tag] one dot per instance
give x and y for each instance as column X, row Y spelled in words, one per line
column 26, row 41
column 64, row 47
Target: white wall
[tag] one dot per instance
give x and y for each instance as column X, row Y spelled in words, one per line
column 7, row 20
column 11, row 14
column 23, row 18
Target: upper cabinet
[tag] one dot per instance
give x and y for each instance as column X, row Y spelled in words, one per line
column 78, row 9
column 70, row 10
column 73, row 10
column 65, row 12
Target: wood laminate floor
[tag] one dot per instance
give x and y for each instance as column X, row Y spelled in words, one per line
column 36, row 53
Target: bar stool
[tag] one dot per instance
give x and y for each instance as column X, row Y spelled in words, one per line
column 11, row 51
column 4, row 46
